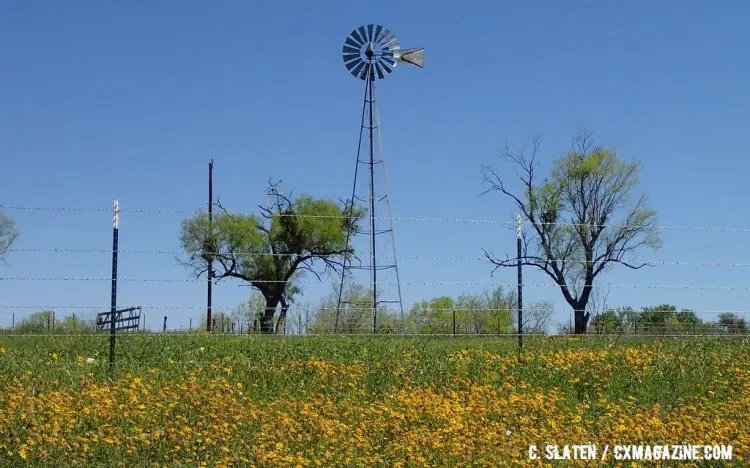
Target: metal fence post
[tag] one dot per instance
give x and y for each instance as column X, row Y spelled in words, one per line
column 115, row 239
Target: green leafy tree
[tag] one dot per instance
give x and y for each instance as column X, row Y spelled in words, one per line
column 434, row 316
column 536, row 317
column 8, row 234
column 629, row 317
column 267, row 251
column 606, row 322
column 485, row 313
column 221, row 321
column 575, row 229
column 72, row 324
column 38, row 322
column 474, row 313
column 667, row 319
column 656, row 320
column 250, row 311
column 46, row 322
column 687, row 321
column 652, row 320
column 502, row 312
column 732, row 323
column 354, row 315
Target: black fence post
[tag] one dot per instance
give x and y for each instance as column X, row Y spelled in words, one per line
column 210, row 272
column 115, row 239
column 519, row 233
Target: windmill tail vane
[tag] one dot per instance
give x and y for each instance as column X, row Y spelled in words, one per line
column 411, row 56
column 370, row 53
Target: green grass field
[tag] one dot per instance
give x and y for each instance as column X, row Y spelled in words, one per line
column 296, row 401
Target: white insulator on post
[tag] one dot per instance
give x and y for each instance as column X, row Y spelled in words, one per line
column 519, row 230
column 116, row 220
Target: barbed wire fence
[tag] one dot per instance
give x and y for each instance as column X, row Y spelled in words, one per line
column 306, row 320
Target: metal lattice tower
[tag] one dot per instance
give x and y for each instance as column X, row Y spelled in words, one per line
column 370, row 53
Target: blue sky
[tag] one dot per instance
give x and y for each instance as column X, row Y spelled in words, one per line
column 130, row 100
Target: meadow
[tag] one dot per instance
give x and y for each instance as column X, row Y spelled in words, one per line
column 208, row 400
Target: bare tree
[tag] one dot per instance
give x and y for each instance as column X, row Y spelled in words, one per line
column 596, row 306
column 8, row 234
column 575, row 235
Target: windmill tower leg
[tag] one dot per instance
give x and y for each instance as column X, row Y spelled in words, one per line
column 347, row 261
column 390, row 216
column 373, row 232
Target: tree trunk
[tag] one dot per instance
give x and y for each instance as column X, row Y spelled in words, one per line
column 266, row 320
column 581, row 318
column 282, row 317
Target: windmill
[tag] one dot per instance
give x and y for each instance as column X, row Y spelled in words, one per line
column 371, row 53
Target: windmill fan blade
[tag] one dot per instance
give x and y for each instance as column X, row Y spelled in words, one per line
column 349, row 57
column 389, row 61
column 376, row 37
column 363, row 34
column 372, row 52
column 365, row 72
column 352, row 42
column 387, row 37
column 412, row 56
column 359, row 64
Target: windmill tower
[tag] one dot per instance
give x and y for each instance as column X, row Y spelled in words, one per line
column 371, row 53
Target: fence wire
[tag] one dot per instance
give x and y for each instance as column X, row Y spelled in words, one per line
column 456, row 326
column 505, row 222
